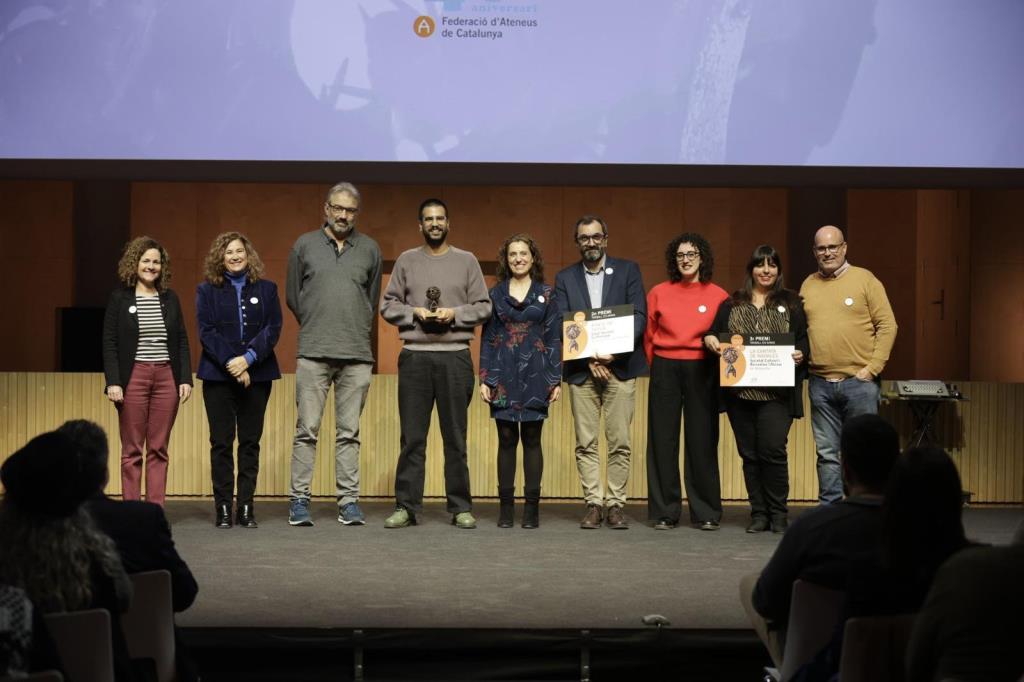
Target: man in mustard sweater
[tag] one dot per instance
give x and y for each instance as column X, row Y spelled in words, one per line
column 852, row 329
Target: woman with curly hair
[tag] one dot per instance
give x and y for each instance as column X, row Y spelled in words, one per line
column 147, row 364
column 679, row 314
column 53, row 552
column 239, row 324
column 520, row 370
column 761, row 417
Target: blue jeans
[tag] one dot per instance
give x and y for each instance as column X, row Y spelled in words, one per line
column 832, row 403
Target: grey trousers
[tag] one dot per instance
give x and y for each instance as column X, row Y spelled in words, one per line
column 351, row 381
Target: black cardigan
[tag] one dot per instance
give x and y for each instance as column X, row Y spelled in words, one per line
column 121, row 338
column 794, row 397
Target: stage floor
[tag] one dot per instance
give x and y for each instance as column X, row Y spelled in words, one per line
column 436, row 576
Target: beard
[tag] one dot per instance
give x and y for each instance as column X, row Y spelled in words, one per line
column 339, row 229
column 434, row 242
column 593, row 255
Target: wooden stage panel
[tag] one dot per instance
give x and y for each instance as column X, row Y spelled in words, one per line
column 985, row 436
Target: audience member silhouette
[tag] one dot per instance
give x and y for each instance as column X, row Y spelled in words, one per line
column 139, row 529
column 922, row 526
column 51, row 548
column 828, row 544
column 970, row 627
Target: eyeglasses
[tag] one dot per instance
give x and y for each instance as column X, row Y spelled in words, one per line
column 829, row 248
column 337, row 208
column 687, row 255
column 588, row 238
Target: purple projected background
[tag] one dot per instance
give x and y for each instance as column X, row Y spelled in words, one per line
column 925, row 83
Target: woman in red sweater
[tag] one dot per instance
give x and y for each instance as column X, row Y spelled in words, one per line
column 683, row 384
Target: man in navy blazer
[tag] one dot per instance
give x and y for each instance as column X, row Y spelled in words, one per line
column 603, row 383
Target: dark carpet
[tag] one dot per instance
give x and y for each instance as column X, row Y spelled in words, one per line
column 435, row 602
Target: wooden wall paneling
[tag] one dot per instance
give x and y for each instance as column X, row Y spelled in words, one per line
column 482, row 217
column 943, row 254
column 883, row 225
column 984, row 435
column 997, row 285
column 36, row 270
column 758, row 216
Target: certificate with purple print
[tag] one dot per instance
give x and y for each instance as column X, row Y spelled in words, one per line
column 756, row 360
column 601, row 331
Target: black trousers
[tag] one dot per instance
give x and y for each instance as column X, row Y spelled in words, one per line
column 682, row 388
column 426, row 378
column 509, row 435
column 229, row 408
column 762, row 430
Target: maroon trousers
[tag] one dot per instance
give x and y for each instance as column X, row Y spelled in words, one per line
column 146, row 417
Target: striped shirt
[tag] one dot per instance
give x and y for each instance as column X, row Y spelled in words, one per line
column 152, row 331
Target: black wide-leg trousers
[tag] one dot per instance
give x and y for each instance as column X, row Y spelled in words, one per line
column 682, row 389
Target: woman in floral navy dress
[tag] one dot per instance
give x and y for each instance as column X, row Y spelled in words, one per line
column 521, row 370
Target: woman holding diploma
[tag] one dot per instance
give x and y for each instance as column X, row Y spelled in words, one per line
column 761, row 417
column 520, row 370
column 679, row 314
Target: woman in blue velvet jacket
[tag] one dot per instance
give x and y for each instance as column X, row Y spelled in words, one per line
column 239, row 324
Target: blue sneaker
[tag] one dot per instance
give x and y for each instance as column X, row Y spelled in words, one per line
column 351, row 515
column 298, row 512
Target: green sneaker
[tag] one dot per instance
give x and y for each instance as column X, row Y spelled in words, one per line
column 400, row 519
column 464, row 520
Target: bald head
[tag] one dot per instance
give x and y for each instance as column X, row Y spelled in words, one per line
column 829, row 249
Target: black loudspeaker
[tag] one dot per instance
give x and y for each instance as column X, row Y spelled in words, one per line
column 80, row 339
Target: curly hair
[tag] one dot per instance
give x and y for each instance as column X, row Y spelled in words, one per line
column 536, row 270
column 214, row 265
column 707, row 260
column 128, row 266
column 53, row 559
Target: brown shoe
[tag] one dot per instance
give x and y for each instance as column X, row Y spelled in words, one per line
column 616, row 519
column 592, row 519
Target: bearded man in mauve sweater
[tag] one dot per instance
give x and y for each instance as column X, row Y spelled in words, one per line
column 683, row 383
column 436, row 297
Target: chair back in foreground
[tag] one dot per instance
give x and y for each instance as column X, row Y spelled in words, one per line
column 41, row 676
column 149, row 624
column 874, row 648
column 84, row 644
column 814, row 612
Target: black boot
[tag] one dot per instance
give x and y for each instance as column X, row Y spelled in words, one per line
column 246, row 516
column 223, row 516
column 507, row 508
column 531, row 510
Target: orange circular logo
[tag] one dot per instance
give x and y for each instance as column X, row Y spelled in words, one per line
column 424, row 26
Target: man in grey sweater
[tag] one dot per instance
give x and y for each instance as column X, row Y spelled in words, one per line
column 333, row 286
column 436, row 297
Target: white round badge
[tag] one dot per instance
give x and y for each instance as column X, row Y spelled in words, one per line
column 132, row 309
column 702, row 308
column 848, row 301
column 781, row 308
column 254, row 300
column 540, row 298
column 608, row 271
